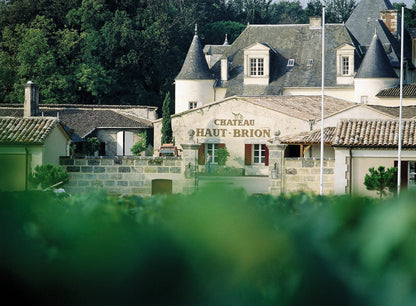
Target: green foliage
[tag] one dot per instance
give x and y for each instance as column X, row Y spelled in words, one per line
column 140, row 145
column 381, row 180
column 223, row 155
column 47, row 175
column 93, row 51
column 92, row 145
column 166, row 121
column 213, row 247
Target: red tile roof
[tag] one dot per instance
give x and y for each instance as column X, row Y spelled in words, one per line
column 374, row 133
column 31, row 130
column 409, row 90
column 310, row 137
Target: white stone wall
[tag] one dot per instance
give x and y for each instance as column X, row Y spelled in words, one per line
column 370, row 88
column 345, row 93
column 200, row 91
column 253, row 125
column 56, row 145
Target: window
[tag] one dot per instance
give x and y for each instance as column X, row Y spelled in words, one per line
column 364, row 99
column 291, row 62
column 256, row 66
column 412, row 175
column 345, row 65
column 310, row 62
column 193, row 105
column 256, row 154
column 259, row 153
column 212, row 149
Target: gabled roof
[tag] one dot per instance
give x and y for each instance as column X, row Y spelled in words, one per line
column 310, row 137
column 408, row 112
column 83, row 119
column 409, row 91
column 28, row 130
column 195, row 66
column 301, row 107
column 376, row 63
column 374, row 133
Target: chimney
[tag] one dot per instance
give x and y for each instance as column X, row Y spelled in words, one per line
column 389, row 18
column 315, row 22
column 224, row 69
column 31, row 107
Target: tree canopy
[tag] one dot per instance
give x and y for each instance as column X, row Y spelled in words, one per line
column 122, row 52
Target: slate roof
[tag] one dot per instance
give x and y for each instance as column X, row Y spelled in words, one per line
column 310, row 137
column 83, row 119
column 195, row 66
column 298, row 42
column 364, row 20
column 374, row 133
column 409, row 91
column 29, row 130
column 376, row 63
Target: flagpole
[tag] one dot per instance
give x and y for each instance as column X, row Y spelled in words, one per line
column 399, row 144
column 322, row 104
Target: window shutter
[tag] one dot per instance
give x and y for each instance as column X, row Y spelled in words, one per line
column 266, row 155
column 404, row 175
column 247, row 154
column 201, row 154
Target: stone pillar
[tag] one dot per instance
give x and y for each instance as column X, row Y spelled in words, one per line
column 31, row 106
column 190, row 164
column 276, row 165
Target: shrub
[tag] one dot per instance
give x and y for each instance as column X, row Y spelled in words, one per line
column 222, row 156
column 47, row 176
column 381, row 180
column 140, row 146
column 93, row 145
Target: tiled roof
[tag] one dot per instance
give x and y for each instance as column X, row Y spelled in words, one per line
column 83, row 119
column 374, row 133
column 302, row 107
column 30, row 130
column 310, row 137
column 408, row 112
column 409, row 91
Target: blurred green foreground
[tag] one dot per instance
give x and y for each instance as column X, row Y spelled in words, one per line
column 215, row 247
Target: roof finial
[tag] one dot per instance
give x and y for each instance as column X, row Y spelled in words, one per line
column 226, row 41
column 196, row 29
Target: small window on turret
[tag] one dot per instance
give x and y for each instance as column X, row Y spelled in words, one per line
column 291, row 62
column 193, row 105
column 310, row 62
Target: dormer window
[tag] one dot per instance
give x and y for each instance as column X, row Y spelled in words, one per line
column 257, row 64
column 345, row 64
column 291, row 62
column 310, row 62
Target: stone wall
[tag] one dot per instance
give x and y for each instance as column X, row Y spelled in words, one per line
column 304, row 174
column 131, row 175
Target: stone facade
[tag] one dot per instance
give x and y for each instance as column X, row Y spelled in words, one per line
column 303, row 174
column 132, row 175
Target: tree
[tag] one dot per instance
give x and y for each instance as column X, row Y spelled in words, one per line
column 166, row 120
column 47, row 176
column 140, row 145
column 339, row 11
column 381, row 180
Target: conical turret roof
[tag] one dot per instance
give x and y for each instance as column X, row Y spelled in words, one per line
column 376, row 63
column 195, row 66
